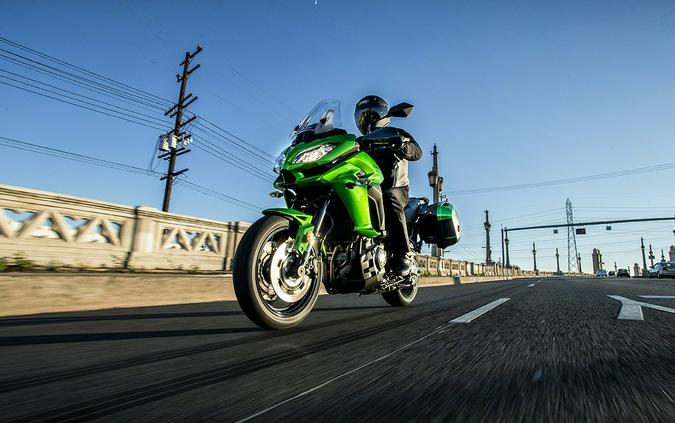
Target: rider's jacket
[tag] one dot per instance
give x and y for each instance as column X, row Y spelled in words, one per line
column 393, row 158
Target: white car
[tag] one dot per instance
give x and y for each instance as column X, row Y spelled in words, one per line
column 602, row 273
column 664, row 269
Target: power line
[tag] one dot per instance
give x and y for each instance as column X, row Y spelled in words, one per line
column 235, row 71
column 53, row 152
column 252, row 147
column 88, row 72
column 124, row 91
column 224, row 139
column 608, row 175
column 74, row 77
column 209, row 147
column 105, row 93
column 150, row 118
column 83, row 107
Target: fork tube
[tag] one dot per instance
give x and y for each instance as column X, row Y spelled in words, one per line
column 320, row 216
column 319, row 220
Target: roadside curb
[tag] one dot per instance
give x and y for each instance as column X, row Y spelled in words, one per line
column 34, row 293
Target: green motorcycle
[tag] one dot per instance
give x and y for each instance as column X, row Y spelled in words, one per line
column 332, row 232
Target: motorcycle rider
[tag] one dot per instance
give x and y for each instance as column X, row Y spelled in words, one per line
column 370, row 115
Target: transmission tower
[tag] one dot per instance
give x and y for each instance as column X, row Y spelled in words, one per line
column 572, row 254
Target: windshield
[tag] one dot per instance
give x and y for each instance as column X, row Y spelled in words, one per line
column 324, row 117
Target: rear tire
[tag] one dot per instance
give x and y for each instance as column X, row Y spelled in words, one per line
column 401, row 297
column 250, row 287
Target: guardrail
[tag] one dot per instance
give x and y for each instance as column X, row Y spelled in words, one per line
column 56, row 230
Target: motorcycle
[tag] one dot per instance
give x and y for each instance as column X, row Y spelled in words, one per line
column 332, row 232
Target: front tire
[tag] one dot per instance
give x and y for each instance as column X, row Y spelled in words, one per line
column 401, row 297
column 270, row 297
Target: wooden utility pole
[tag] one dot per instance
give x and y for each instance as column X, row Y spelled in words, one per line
column 178, row 111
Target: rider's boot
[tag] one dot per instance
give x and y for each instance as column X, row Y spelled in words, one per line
column 406, row 265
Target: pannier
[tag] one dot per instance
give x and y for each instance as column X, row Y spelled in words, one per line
column 436, row 223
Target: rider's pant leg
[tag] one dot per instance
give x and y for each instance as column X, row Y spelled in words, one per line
column 395, row 200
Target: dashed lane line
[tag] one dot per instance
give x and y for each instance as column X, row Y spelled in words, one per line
column 661, row 297
column 440, row 329
column 468, row 317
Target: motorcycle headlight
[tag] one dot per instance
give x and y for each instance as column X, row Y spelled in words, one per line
column 279, row 162
column 313, row 154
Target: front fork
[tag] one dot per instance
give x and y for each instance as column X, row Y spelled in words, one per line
column 308, row 234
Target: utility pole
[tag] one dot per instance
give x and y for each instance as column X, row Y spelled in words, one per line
column 506, row 243
column 534, row 255
column 651, row 255
column 579, row 262
column 436, row 183
column 503, row 258
column 663, row 258
column 615, row 268
column 178, row 110
column 488, row 248
column 557, row 261
column 644, row 260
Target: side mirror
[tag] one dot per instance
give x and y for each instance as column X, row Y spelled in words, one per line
column 400, row 110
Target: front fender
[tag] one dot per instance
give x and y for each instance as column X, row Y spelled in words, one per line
column 305, row 225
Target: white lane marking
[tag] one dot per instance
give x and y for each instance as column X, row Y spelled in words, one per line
column 531, row 285
column 632, row 310
column 466, row 318
column 664, row 297
column 340, row 376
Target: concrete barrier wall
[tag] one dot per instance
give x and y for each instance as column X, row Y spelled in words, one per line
column 61, row 230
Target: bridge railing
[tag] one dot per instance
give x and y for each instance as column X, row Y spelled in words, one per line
column 57, row 230
column 60, row 230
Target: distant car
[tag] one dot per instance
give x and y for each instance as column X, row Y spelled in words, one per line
column 623, row 273
column 612, row 273
column 664, row 269
column 602, row 273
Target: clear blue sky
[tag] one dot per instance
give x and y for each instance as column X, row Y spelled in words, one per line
column 512, row 92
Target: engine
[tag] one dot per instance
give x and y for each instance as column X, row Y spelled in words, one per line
column 356, row 267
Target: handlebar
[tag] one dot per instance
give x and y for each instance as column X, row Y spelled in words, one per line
column 377, row 143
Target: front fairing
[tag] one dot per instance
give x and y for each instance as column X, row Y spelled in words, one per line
column 321, row 171
column 344, row 144
column 344, row 170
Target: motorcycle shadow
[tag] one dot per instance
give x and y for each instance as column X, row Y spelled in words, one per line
column 351, row 308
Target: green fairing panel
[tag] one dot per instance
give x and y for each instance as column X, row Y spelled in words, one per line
column 355, row 197
column 300, row 217
column 359, row 167
column 305, row 225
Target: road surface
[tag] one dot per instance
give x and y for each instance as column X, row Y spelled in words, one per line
column 523, row 350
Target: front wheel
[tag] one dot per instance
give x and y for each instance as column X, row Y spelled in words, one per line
column 269, row 291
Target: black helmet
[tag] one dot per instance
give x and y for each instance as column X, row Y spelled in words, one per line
column 369, row 110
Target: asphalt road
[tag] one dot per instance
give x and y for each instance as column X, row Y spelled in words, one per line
column 554, row 351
